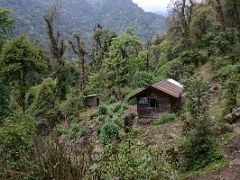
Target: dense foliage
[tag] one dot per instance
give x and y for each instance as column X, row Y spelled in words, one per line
column 114, row 15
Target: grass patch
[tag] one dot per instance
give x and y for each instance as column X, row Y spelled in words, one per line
column 166, row 118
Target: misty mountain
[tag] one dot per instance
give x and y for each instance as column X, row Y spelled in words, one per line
column 85, row 14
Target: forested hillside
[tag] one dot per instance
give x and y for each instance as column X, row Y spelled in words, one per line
column 48, row 132
column 85, row 14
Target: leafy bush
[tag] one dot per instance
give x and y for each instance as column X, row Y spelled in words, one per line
column 166, row 118
column 117, row 108
column 43, row 106
column 142, row 79
column 101, row 113
column 196, row 57
column 130, row 94
column 100, row 118
column 230, row 97
column 227, row 72
column 4, row 99
column 76, row 131
column 199, row 130
column 108, row 132
column 119, row 122
column 73, row 104
column 60, row 129
column 128, row 122
column 131, row 161
column 169, row 70
column 15, row 146
column 102, row 110
column 112, row 99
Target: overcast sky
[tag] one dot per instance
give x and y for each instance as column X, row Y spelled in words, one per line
column 153, row 5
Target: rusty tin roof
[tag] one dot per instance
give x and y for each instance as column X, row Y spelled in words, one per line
column 168, row 86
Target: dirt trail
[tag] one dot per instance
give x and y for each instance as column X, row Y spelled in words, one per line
column 159, row 134
column 232, row 154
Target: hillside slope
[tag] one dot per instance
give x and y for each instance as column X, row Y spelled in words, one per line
column 85, row 14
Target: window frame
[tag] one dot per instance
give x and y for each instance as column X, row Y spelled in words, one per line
column 145, row 99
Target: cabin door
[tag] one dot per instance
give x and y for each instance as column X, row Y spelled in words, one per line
column 153, row 103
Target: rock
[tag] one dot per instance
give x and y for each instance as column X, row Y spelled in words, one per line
column 172, row 136
column 172, row 154
column 235, row 162
column 214, row 89
column 233, row 116
column 225, row 128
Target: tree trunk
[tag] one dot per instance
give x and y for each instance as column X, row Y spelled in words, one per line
column 185, row 24
column 148, row 62
column 221, row 15
column 236, row 15
column 83, row 71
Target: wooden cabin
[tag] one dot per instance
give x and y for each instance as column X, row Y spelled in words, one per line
column 91, row 101
column 159, row 98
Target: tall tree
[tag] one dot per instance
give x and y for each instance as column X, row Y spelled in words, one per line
column 4, row 99
column 233, row 11
column 219, row 9
column 6, row 24
column 58, row 47
column 19, row 61
column 57, row 43
column 80, row 51
column 102, row 41
column 121, row 64
column 198, row 128
column 180, row 19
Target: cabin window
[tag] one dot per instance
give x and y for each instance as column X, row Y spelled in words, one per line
column 153, row 103
column 143, row 101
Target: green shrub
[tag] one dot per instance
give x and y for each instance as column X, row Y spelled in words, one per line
column 227, row 72
column 101, row 113
column 117, row 108
column 110, row 114
column 76, row 131
column 124, row 107
column 15, row 146
column 128, row 122
column 169, row 70
column 60, row 129
column 4, row 99
column 142, row 79
column 230, row 97
column 100, row 118
column 196, row 57
column 108, row 132
column 199, row 129
column 43, row 105
column 166, row 118
column 119, row 122
column 102, row 110
column 73, row 104
column 112, row 99
column 132, row 161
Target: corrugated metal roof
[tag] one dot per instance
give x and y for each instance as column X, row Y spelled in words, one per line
column 169, row 86
column 92, row 95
